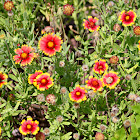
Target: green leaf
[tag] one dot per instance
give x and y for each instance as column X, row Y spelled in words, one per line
column 136, row 108
column 13, row 77
column 133, row 68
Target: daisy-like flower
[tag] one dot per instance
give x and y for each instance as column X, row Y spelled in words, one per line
column 68, row 9
column 29, row 126
column 136, row 30
column 94, row 83
column 139, row 45
column 78, row 94
column 127, row 17
column 32, row 77
column 110, row 79
column 50, row 44
column 43, row 81
column 8, row 5
column 90, row 24
column 24, row 55
column 3, row 79
column 100, row 66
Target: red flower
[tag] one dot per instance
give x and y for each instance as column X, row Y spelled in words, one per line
column 90, row 24
column 32, row 77
column 3, row 79
column 29, row 126
column 68, row 9
column 24, row 55
column 8, row 5
column 110, row 79
column 127, row 18
column 94, row 83
column 136, row 30
column 50, row 44
column 43, row 81
column 100, row 66
column 78, row 94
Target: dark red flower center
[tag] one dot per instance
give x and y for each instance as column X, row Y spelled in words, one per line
column 44, row 81
column 24, row 55
column 109, row 80
column 91, row 24
column 95, row 83
column 50, row 44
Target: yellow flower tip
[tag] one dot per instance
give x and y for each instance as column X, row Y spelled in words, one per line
column 84, row 20
column 29, row 118
column 23, row 121
column 90, row 17
column 96, row 18
column 90, row 77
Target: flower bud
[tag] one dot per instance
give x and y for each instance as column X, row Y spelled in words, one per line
column 127, row 123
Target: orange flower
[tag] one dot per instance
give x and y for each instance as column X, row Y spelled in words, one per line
column 29, row 126
column 100, row 66
column 50, row 44
column 90, row 24
column 94, row 83
column 78, row 94
column 110, row 79
column 128, row 18
column 3, row 79
column 24, row 55
column 32, row 77
column 43, row 81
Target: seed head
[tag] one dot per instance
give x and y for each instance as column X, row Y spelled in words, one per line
column 76, row 105
column 91, row 93
column 102, row 127
column 136, row 30
column 61, row 64
column 110, row 4
column 138, row 99
column 132, row 96
column 68, row 9
column 114, row 60
column 85, row 68
column 63, row 90
column 128, row 77
column 41, row 97
column 127, row 123
column 116, row 27
column 59, row 118
column 51, row 99
column 76, row 136
column 46, row 131
column 40, row 136
column 115, row 109
column 99, row 136
column 115, row 119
